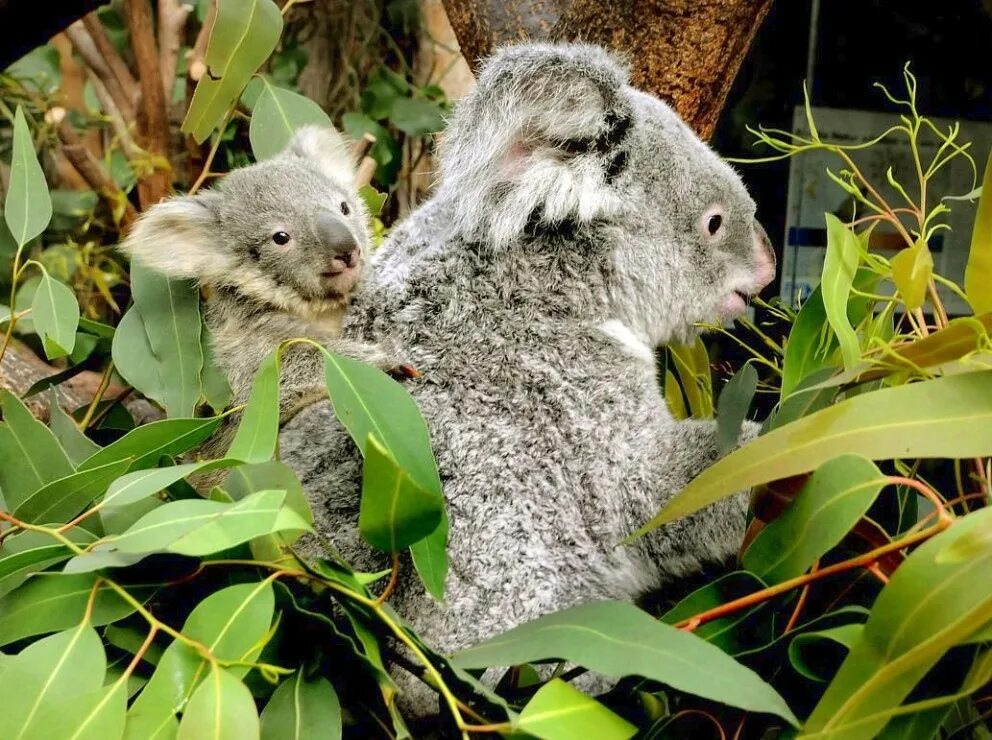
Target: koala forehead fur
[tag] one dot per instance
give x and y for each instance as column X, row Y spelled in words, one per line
column 288, row 232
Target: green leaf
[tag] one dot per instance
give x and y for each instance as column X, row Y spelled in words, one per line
column 47, row 680
column 835, row 497
column 170, row 310
column 559, row 711
column 104, row 719
column 221, row 708
column 618, row 639
column 258, row 432
column 140, row 484
column 692, row 363
column 199, row 527
column 927, row 607
column 51, row 602
column 374, row 200
column 213, row 378
column 39, row 69
column 77, row 446
column 133, row 356
column 28, row 206
column 276, row 117
column 232, row 624
column 56, row 316
column 416, row 117
column 733, row 405
column 60, row 500
column 148, row 443
column 367, row 401
column 28, row 552
column 978, row 272
column 728, row 633
column 395, row 512
column 839, row 268
column 912, row 269
column 814, row 654
column 300, row 709
column 244, row 35
column 948, row 417
column 30, row 456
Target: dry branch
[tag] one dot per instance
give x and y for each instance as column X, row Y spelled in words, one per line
column 86, row 47
column 685, row 51
column 153, row 122
column 172, row 15
column 114, row 60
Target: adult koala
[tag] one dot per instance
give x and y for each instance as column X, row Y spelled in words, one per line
column 578, row 223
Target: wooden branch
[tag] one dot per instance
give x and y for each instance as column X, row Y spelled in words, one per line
column 684, row 51
column 172, row 16
column 86, row 47
column 110, row 110
column 94, row 172
column 114, row 60
column 197, row 66
column 25, row 24
column 153, row 122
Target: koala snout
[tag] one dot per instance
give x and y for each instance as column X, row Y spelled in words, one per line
column 337, row 238
column 764, row 258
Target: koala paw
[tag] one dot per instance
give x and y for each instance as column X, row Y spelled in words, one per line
column 402, row 372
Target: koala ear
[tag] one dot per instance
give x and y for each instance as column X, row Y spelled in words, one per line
column 177, row 238
column 538, row 142
column 325, row 148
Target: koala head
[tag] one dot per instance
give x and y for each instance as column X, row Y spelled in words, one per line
column 555, row 141
column 290, row 231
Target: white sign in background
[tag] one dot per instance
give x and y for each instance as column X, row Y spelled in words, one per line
column 812, row 194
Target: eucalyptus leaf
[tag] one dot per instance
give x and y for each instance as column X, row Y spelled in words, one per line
column 827, row 507
column 60, row 500
column 244, row 34
column 221, row 708
column 806, row 651
column 56, row 316
column 28, row 205
column 912, row 269
column 30, row 455
column 277, row 115
column 926, row 608
column 300, row 709
column 733, row 405
column 559, row 711
column 978, row 272
column 839, row 268
column 416, row 116
column 77, row 446
column 948, row 417
column 150, row 442
column 258, row 433
column 618, row 639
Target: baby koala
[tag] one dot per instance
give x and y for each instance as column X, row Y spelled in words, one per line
column 281, row 245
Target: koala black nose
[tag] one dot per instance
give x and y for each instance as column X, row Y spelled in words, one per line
column 335, row 235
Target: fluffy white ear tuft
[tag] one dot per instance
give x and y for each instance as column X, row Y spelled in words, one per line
column 326, row 148
column 177, row 237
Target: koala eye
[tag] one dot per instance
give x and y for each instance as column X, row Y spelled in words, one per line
column 345, row 209
column 711, row 224
column 281, row 238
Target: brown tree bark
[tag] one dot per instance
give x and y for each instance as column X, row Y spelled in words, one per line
column 687, row 52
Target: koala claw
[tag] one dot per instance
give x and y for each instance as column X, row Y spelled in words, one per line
column 403, row 371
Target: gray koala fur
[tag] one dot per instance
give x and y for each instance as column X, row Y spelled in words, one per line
column 265, row 292
column 571, row 232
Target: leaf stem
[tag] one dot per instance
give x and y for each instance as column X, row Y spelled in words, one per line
column 101, row 389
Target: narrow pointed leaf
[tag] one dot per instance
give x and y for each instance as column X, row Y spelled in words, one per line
column 30, row 456
column 559, row 711
column 60, row 500
column 134, row 359
column 77, row 446
column 32, row 552
column 49, row 602
column 300, row 709
column 839, row 268
column 978, row 273
column 258, row 432
column 926, row 608
column 949, row 417
column 28, row 206
column 733, row 405
column 221, row 708
column 827, row 507
column 244, row 34
column 618, row 639
column 149, row 442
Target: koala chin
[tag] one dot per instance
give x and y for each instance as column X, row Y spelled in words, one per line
column 281, row 245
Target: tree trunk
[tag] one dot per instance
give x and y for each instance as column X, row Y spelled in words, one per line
column 687, row 52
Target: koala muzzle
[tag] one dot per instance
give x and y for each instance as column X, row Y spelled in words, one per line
column 337, row 239
column 764, row 256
